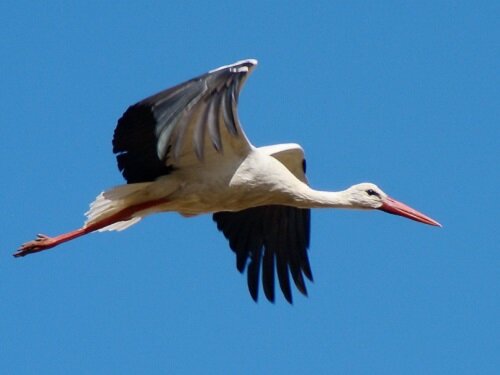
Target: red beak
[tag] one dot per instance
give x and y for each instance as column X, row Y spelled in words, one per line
column 394, row 207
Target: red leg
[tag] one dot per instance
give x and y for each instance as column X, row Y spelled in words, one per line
column 43, row 242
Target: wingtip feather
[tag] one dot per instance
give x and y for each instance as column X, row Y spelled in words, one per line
column 239, row 66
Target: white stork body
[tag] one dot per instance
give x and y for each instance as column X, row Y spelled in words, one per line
column 184, row 150
column 258, row 179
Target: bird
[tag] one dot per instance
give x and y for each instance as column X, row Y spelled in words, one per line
column 184, row 150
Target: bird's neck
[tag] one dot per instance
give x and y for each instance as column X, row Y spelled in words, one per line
column 310, row 198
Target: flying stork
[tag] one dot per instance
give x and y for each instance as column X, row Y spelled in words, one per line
column 184, row 150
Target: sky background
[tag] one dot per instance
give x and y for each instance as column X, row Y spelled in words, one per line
column 403, row 94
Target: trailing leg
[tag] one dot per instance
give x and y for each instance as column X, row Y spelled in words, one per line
column 43, row 242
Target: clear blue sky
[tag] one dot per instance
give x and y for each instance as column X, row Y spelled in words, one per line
column 403, row 94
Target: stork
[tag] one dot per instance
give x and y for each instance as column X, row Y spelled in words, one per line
column 184, row 150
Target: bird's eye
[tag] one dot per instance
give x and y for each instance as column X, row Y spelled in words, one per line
column 372, row 192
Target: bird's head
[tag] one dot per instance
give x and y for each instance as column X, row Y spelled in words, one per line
column 370, row 196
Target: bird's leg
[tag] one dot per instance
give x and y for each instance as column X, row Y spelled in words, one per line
column 43, row 242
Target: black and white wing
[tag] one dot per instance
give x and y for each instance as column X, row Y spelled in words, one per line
column 270, row 238
column 184, row 125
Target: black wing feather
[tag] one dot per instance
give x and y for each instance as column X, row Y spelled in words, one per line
column 132, row 142
column 271, row 237
column 278, row 242
column 294, row 253
column 253, row 273
column 268, row 274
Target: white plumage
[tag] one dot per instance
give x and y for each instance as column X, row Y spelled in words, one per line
column 184, row 150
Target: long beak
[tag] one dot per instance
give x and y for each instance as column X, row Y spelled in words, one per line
column 394, row 207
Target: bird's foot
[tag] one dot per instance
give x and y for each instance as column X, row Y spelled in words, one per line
column 42, row 242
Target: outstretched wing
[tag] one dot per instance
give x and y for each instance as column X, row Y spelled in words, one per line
column 272, row 237
column 183, row 125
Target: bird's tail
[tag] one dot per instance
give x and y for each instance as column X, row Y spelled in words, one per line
column 113, row 201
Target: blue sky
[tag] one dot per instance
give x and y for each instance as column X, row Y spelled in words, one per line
column 403, row 94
